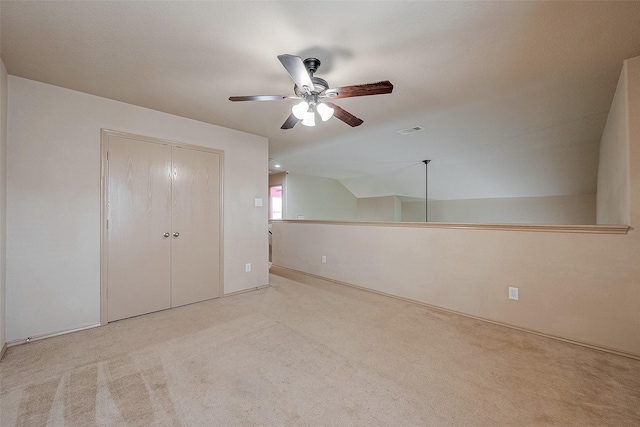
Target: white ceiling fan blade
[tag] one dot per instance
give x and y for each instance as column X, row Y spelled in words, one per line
column 298, row 72
column 261, row 98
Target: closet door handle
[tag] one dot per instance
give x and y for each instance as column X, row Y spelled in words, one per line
column 176, row 234
column 166, row 234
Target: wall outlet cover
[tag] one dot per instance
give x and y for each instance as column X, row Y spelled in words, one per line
column 513, row 293
column 247, row 267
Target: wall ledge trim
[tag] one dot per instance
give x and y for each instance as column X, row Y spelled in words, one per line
column 274, row 270
column 549, row 228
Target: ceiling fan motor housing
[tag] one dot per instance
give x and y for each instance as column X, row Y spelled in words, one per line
column 312, row 65
column 320, row 85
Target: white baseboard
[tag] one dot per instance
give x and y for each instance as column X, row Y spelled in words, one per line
column 47, row 335
column 230, row 294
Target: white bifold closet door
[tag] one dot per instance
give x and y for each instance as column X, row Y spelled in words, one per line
column 164, row 226
column 195, row 261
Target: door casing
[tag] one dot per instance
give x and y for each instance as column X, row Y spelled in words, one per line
column 104, row 178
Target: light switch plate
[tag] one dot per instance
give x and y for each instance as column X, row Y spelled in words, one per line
column 258, row 201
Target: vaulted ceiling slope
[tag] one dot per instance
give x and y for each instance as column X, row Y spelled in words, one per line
column 512, row 96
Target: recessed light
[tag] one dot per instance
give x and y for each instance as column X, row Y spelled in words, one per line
column 276, row 166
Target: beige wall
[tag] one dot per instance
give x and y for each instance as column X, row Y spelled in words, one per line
column 53, row 203
column 579, row 286
column 3, row 200
column 413, row 211
column 582, row 287
column 575, row 209
column 613, row 165
column 277, row 179
column 317, row 198
column 387, row 208
column 580, row 209
column 633, row 133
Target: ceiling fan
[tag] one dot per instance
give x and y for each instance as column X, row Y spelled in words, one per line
column 314, row 94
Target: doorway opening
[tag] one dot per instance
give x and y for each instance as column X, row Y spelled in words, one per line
column 275, row 202
column 275, row 210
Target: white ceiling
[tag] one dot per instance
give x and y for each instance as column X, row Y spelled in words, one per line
column 513, row 96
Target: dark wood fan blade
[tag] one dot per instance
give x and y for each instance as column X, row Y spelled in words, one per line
column 290, row 122
column 261, row 98
column 296, row 69
column 377, row 88
column 342, row 114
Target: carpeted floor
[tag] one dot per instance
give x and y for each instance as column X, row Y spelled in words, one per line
column 308, row 352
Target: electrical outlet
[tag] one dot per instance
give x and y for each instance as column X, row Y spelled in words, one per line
column 247, row 267
column 513, row 293
column 324, row 259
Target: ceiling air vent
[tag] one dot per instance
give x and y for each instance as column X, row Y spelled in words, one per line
column 410, row 130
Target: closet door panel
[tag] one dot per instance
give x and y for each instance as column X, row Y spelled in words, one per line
column 139, row 213
column 195, row 271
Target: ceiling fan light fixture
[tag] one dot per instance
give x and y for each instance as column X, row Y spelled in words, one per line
column 300, row 110
column 309, row 119
column 311, row 90
column 324, row 111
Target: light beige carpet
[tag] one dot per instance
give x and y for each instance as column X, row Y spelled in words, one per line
column 308, row 352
